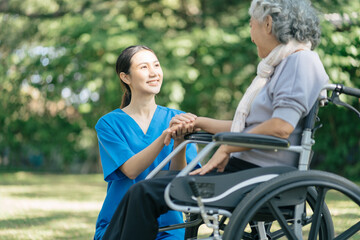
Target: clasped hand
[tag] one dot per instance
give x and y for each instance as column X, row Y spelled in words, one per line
column 183, row 124
column 179, row 126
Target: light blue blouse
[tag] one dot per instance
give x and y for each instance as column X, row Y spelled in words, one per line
column 289, row 95
column 120, row 138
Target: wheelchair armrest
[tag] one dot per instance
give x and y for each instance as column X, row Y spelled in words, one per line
column 251, row 140
column 200, row 136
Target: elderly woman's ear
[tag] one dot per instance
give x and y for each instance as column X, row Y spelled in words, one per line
column 268, row 24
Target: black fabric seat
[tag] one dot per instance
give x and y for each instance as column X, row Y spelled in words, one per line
column 223, row 190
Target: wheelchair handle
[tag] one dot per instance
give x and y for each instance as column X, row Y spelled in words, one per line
column 339, row 88
column 351, row 91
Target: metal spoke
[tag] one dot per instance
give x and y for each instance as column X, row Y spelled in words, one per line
column 350, row 232
column 282, row 221
column 316, row 218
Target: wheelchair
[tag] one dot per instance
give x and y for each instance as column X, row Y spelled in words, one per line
column 263, row 203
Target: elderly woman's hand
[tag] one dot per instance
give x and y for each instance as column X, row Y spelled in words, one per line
column 218, row 161
column 184, row 118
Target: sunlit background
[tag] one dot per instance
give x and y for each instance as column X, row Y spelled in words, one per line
column 57, row 78
column 57, row 74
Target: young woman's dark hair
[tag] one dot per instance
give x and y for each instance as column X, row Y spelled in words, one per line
column 123, row 64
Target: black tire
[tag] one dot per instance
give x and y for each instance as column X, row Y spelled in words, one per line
column 192, row 232
column 264, row 195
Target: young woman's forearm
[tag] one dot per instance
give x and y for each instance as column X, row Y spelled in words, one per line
column 142, row 160
column 213, row 125
column 179, row 160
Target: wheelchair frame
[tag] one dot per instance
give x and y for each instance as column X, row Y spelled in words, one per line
column 210, row 215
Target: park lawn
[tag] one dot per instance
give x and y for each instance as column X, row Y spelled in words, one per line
column 65, row 206
column 49, row 206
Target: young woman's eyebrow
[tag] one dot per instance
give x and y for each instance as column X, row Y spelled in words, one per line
column 157, row 61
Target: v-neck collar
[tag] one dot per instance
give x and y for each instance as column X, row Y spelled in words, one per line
column 136, row 126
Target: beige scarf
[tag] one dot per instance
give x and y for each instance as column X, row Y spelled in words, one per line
column 264, row 71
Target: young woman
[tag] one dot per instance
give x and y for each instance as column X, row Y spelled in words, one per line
column 288, row 82
column 131, row 138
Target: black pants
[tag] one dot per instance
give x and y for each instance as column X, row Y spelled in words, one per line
column 136, row 216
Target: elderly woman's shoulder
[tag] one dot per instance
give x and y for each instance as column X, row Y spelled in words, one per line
column 304, row 55
column 301, row 59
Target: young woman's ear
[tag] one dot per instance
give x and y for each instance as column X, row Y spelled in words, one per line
column 125, row 78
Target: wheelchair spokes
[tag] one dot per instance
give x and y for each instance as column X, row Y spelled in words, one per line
column 316, row 222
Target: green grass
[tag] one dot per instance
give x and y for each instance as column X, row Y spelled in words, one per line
column 61, row 206
column 49, row 206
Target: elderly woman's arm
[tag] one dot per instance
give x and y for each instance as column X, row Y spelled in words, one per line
column 209, row 125
column 273, row 127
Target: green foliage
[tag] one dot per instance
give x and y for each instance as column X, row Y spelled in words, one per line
column 57, row 70
column 338, row 142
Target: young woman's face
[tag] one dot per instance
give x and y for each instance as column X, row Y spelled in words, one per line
column 146, row 75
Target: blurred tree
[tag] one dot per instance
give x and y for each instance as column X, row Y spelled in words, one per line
column 338, row 142
column 57, row 70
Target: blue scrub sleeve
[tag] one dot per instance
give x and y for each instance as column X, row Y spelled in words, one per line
column 114, row 151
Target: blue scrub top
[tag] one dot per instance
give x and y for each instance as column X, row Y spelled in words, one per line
column 120, row 138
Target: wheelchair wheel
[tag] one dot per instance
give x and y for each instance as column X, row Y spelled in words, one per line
column 326, row 230
column 192, row 232
column 265, row 203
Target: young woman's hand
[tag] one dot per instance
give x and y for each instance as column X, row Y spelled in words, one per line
column 167, row 139
column 178, row 131
column 179, row 126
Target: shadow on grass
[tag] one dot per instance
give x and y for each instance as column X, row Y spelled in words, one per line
column 29, row 178
column 346, row 217
column 48, row 219
column 60, row 186
column 61, row 192
column 49, row 206
column 54, row 226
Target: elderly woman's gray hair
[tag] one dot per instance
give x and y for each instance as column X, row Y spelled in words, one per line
column 292, row 19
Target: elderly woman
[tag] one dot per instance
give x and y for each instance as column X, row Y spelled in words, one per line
column 289, row 79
